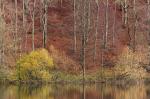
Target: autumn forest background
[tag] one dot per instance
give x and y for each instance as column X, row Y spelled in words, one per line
column 74, row 40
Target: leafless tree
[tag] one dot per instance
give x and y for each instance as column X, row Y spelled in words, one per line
column 44, row 21
column 84, row 32
column 135, row 25
column 2, row 31
column 75, row 27
column 114, row 24
column 106, row 24
column 96, row 32
column 32, row 13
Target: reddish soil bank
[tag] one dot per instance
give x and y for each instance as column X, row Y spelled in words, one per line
column 60, row 31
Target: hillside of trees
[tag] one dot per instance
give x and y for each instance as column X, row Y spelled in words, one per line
column 79, row 35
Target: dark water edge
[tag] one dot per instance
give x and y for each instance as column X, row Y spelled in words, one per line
column 108, row 81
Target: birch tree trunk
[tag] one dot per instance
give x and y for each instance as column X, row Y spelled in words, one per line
column 106, row 24
column 96, row 32
column 33, row 25
column 45, row 4
column 84, row 32
column 16, row 25
column 1, row 35
column 148, row 19
column 25, row 3
column 125, row 13
column 135, row 25
column 83, row 39
column 114, row 25
column 75, row 27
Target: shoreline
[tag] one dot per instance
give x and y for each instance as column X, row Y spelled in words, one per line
column 113, row 82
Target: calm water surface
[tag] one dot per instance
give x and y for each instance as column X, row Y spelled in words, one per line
column 98, row 91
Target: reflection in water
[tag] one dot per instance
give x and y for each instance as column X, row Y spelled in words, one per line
column 75, row 92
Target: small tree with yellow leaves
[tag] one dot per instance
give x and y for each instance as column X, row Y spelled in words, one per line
column 35, row 66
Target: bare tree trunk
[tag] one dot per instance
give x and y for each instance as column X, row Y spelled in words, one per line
column 148, row 19
column 124, row 6
column 25, row 8
column 83, row 39
column 125, row 12
column 33, row 25
column 1, row 35
column 25, row 2
column 2, row 30
column 84, row 32
column 88, row 21
column 2, row 49
column 61, row 3
column 45, row 23
column 23, row 14
column 114, row 25
column 16, row 25
column 75, row 27
column 106, row 24
column 23, row 19
column 135, row 25
column 96, row 32
column 105, row 35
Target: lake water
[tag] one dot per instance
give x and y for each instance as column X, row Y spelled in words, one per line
column 94, row 91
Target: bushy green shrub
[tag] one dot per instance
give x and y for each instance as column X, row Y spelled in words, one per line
column 35, row 66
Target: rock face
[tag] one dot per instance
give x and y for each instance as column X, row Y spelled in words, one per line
column 60, row 30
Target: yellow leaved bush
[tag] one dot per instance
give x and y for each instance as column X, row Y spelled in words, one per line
column 35, row 66
column 128, row 64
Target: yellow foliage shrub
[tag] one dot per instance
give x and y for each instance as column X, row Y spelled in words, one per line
column 35, row 66
column 128, row 64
